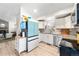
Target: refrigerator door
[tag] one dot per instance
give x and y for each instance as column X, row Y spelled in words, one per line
column 32, row 28
column 33, row 40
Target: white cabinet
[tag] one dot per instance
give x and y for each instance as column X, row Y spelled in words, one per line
column 68, row 22
column 41, row 24
column 60, row 23
column 48, row 38
column 20, row 44
column 40, row 37
column 65, row 22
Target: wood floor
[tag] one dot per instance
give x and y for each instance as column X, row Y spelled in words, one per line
column 7, row 49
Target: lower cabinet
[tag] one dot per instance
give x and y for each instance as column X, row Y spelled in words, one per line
column 47, row 38
column 20, row 45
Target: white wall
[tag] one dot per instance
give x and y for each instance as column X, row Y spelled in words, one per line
column 12, row 26
column 12, row 21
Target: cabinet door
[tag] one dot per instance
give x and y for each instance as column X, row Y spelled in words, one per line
column 41, row 25
column 60, row 23
column 50, row 39
column 22, row 44
column 68, row 22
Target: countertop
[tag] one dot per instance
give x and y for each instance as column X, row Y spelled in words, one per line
column 71, row 37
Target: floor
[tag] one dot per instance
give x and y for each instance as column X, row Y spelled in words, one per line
column 7, row 49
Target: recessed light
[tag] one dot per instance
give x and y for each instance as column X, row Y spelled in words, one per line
column 35, row 10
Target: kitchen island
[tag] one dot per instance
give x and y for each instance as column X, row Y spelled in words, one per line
column 69, row 46
column 72, row 39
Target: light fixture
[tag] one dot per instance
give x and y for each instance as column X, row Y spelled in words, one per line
column 35, row 11
column 2, row 25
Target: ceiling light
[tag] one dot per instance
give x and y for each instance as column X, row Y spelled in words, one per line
column 2, row 25
column 35, row 10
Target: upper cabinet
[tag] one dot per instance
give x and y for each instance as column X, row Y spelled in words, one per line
column 68, row 21
column 41, row 24
column 65, row 19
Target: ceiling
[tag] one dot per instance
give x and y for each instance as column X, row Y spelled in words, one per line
column 45, row 9
column 9, row 10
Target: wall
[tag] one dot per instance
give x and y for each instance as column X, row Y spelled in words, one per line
column 12, row 24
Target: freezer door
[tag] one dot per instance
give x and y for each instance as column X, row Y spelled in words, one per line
column 33, row 44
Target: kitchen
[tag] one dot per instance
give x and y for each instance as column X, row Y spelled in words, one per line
column 48, row 25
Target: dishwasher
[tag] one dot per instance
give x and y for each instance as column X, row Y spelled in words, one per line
column 57, row 39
